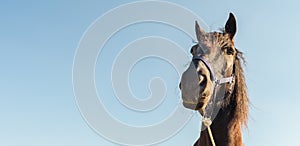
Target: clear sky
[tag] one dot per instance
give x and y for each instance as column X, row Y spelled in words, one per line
column 38, row 42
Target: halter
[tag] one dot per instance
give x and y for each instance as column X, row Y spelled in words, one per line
column 207, row 115
column 214, row 79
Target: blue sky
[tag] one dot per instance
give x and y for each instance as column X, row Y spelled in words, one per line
column 38, row 41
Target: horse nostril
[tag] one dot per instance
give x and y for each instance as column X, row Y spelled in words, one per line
column 179, row 85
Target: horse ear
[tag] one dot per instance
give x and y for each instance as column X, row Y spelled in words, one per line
column 230, row 26
column 199, row 33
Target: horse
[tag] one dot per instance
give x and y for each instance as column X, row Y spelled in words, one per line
column 215, row 57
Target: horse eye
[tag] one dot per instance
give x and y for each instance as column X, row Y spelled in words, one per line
column 229, row 51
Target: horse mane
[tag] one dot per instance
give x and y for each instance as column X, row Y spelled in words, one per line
column 235, row 106
column 239, row 101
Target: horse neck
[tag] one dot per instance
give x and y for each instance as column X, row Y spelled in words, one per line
column 225, row 129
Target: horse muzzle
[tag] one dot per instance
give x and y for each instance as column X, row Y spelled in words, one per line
column 190, row 89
